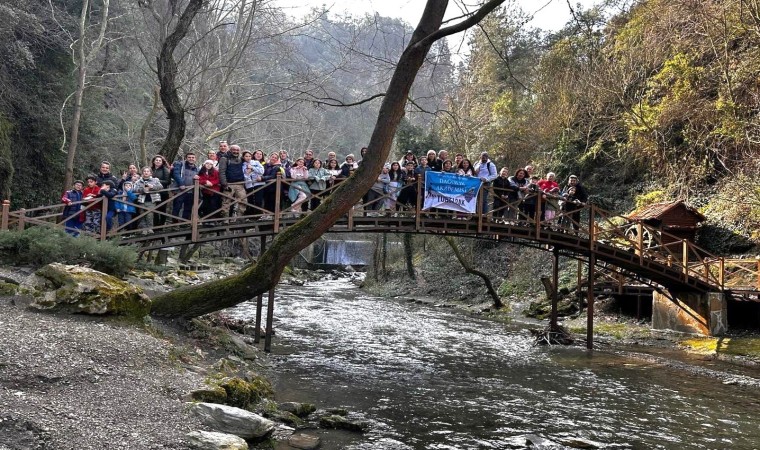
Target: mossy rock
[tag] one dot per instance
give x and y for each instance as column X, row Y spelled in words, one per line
column 74, row 289
column 210, row 394
column 285, row 417
column 244, row 393
column 8, row 289
column 299, row 409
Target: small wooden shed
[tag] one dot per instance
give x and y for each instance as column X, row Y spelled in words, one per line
column 676, row 218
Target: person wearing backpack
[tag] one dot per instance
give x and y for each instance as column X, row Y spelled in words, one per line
column 485, row 169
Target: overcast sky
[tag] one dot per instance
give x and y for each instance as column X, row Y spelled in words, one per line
column 548, row 14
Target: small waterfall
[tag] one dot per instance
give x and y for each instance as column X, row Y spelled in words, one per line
column 343, row 253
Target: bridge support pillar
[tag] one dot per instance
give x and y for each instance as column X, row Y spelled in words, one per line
column 690, row 312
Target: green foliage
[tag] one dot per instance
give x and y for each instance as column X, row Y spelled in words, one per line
column 651, row 198
column 38, row 246
column 412, row 137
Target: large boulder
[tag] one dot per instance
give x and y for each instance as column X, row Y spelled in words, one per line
column 229, row 419
column 211, row 440
column 75, row 289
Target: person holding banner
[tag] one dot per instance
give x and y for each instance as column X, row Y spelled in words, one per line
column 485, row 169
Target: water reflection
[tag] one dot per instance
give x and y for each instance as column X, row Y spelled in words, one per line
column 436, row 378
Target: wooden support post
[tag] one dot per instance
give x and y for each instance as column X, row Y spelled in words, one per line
column 685, row 258
column 259, row 299
column 591, row 230
column 555, row 281
column 194, row 217
column 270, row 318
column 638, row 306
column 21, row 219
column 5, row 215
column 579, row 279
column 103, row 213
column 590, row 300
column 706, row 264
column 277, row 194
column 757, row 275
column 722, row 272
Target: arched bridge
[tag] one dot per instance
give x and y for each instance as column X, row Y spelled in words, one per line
column 612, row 241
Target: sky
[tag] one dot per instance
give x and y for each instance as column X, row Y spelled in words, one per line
column 548, row 14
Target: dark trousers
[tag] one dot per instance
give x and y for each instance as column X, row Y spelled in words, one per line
column 209, row 204
column 183, row 202
column 315, row 201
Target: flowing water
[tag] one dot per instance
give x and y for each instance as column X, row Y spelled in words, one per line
column 435, row 378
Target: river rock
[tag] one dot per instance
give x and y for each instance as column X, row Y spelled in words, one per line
column 575, row 442
column 342, row 423
column 229, row 419
column 209, row 394
column 535, row 441
column 211, row 440
column 75, row 289
column 299, row 409
column 304, row 441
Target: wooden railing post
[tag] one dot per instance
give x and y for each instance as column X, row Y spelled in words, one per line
column 685, row 258
column 418, row 207
column 479, row 207
column 537, row 214
column 722, row 272
column 757, row 275
column 103, row 214
column 6, row 213
column 194, row 216
column 707, row 269
column 640, row 243
column 591, row 231
column 277, row 195
column 21, row 218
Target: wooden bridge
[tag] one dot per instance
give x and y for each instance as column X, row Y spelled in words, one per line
column 610, row 242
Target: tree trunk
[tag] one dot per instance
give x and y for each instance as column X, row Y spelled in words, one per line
column 192, row 301
column 473, row 271
column 167, row 76
column 144, row 160
column 68, row 177
column 409, row 256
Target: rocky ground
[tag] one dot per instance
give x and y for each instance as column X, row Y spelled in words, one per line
column 79, row 382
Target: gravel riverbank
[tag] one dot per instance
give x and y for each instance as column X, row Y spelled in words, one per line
column 78, row 382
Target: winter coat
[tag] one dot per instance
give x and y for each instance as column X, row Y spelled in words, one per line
column 318, row 178
column 211, row 176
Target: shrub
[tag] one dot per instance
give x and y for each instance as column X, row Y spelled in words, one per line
column 38, row 246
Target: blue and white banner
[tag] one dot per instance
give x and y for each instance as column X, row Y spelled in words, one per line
column 451, row 191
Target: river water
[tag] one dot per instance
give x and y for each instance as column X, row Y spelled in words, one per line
column 427, row 377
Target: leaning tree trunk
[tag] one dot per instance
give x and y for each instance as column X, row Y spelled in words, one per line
column 473, row 271
column 167, row 77
column 192, row 301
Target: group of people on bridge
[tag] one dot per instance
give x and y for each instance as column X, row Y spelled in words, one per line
column 236, row 182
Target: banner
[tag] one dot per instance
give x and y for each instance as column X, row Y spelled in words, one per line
column 451, row 191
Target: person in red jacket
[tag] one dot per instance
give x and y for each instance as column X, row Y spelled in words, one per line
column 92, row 214
column 210, row 188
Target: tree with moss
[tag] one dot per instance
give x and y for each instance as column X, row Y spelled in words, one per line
column 264, row 275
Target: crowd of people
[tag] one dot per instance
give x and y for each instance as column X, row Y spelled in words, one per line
column 236, row 182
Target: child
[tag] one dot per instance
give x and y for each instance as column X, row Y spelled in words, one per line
column 108, row 192
column 72, row 212
column 92, row 213
column 125, row 208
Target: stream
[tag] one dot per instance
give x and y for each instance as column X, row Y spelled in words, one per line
column 428, row 377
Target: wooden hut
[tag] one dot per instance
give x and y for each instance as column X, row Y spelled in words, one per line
column 676, row 218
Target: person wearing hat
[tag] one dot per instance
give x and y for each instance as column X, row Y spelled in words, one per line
column 407, row 158
column 574, row 198
column 485, row 169
column 72, row 215
column 124, row 203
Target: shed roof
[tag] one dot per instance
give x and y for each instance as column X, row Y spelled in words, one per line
column 658, row 210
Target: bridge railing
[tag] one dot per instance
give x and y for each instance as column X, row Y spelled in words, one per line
column 263, row 206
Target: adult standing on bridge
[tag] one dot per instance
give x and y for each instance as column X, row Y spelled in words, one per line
column 184, row 174
column 163, row 172
column 575, row 198
column 231, row 178
column 485, row 169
